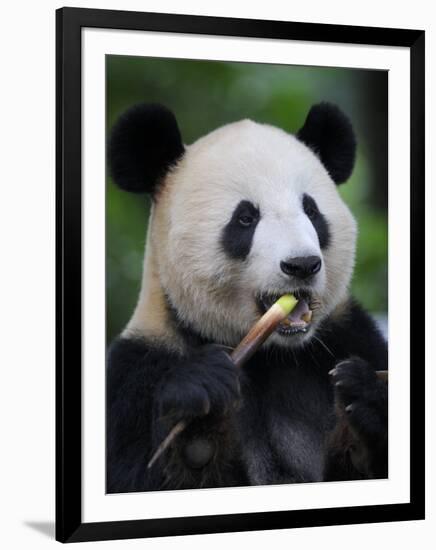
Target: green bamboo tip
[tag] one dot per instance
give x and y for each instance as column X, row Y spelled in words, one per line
column 287, row 302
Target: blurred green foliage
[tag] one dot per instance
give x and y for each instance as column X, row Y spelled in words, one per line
column 207, row 94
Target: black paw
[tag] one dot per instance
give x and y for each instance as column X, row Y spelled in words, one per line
column 205, row 383
column 363, row 401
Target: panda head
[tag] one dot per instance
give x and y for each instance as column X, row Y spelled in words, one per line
column 240, row 217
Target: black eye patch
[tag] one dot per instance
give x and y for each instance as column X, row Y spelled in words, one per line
column 318, row 220
column 237, row 235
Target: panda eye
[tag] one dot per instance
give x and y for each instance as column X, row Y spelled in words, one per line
column 310, row 207
column 245, row 220
column 311, row 212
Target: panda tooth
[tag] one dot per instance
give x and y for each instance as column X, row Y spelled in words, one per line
column 307, row 317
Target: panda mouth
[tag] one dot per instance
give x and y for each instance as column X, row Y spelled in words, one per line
column 299, row 320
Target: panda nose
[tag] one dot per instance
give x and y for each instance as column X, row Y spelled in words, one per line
column 301, row 267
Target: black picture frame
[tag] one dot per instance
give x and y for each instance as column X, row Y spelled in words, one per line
column 69, row 22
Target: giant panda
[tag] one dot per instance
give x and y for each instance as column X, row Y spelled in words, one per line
column 243, row 215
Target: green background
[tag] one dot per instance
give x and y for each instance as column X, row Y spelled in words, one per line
column 207, row 94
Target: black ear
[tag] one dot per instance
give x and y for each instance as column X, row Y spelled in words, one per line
column 329, row 133
column 145, row 142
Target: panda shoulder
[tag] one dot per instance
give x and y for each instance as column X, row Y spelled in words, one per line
column 134, row 354
column 351, row 323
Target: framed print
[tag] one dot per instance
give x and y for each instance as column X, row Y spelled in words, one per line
column 240, row 231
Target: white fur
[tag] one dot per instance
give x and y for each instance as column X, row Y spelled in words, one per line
column 272, row 169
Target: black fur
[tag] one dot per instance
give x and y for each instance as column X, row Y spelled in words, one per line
column 363, row 397
column 318, row 220
column 205, row 391
column 329, row 133
column 150, row 389
column 280, row 419
column 145, row 142
column 238, row 234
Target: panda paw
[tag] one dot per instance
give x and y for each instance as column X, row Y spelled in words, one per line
column 363, row 401
column 205, row 383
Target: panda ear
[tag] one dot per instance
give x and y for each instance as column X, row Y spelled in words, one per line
column 329, row 133
column 145, row 142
